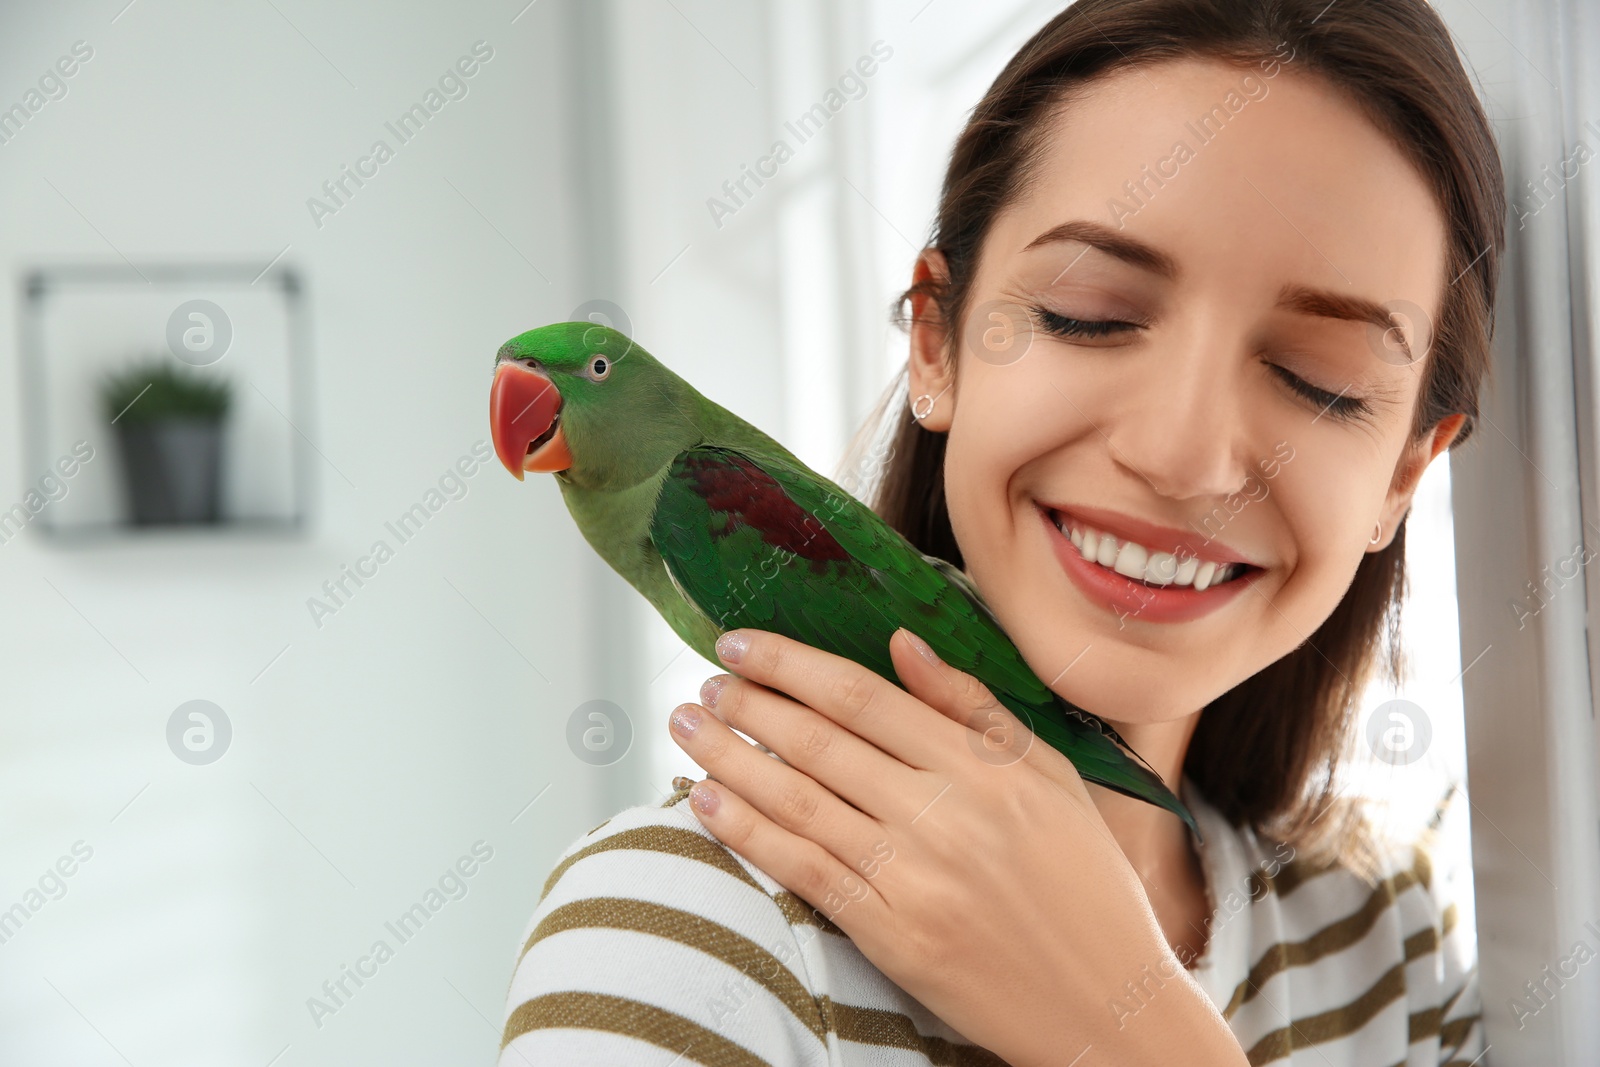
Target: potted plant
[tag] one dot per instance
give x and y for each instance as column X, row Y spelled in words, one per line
column 169, row 423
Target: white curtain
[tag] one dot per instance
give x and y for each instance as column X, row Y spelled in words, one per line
column 1525, row 512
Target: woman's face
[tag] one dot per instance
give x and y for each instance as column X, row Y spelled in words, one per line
column 1226, row 233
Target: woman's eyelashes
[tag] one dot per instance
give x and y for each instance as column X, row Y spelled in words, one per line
column 1347, row 408
column 1062, row 326
column 1337, row 404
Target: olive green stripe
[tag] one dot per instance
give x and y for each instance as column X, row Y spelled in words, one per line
column 1426, row 1024
column 692, row 931
column 629, row 1018
column 1423, row 866
column 794, row 909
column 1295, row 873
column 1422, row 942
column 798, row 912
column 668, row 839
column 1330, row 939
column 1236, row 1001
column 1453, row 1033
column 1333, row 1024
column 874, row 1026
column 1289, row 877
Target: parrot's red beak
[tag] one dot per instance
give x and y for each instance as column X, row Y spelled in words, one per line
column 525, row 421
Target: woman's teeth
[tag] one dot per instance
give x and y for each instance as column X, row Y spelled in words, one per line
column 1133, row 560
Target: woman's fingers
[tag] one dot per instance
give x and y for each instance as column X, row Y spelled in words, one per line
column 839, row 891
column 993, row 734
column 781, row 793
column 996, row 736
column 856, row 698
column 813, row 744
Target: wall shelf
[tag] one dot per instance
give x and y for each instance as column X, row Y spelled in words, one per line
column 235, row 322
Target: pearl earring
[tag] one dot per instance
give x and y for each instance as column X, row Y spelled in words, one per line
column 1377, row 534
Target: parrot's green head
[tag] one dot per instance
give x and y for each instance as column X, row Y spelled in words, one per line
column 588, row 404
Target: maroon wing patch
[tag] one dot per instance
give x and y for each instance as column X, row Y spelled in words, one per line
column 749, row 496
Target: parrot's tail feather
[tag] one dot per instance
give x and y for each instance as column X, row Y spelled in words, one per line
column 1167, row 801
column 1105, row 728
column 1089, row 744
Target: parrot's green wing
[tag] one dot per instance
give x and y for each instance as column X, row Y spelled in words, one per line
column 755, row 540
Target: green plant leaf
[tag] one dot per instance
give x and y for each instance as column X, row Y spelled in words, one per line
column 155, row 390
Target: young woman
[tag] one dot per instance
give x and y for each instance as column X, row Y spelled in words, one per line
column 1211, row 284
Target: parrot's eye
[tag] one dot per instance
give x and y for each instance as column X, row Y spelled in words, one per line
column 599, row 369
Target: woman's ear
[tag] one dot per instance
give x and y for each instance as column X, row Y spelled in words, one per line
column 1413, row 462
column 930, row 373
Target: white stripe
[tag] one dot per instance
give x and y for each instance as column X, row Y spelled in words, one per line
column 588, row 1048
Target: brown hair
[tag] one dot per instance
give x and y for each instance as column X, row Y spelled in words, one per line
column 1265, row 752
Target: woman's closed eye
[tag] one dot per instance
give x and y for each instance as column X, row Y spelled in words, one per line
column 1335, row 404
column 1063, row 326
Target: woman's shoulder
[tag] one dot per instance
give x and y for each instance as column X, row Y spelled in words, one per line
column 662, row 856
column 653, row 943
column 650, row 936
column 1421, row 870
column 1355, row 934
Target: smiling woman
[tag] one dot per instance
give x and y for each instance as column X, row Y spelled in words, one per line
column 1312, row 296
column 1250, row 306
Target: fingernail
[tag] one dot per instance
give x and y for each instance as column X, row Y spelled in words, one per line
column 922, row 646
column 711, row 688
column 704, row 798
column 732, row 645
column 686, row 719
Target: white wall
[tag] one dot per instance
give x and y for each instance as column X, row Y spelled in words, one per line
column 381, row 746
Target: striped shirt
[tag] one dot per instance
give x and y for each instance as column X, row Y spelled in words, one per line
column 653, row 945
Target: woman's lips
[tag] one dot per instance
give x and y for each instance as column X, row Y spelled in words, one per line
column 1130, row 599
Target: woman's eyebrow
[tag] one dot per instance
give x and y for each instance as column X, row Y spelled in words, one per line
column 1325, row 303
column 1112, row 243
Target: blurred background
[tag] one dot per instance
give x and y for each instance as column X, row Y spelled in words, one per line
column 269, row 248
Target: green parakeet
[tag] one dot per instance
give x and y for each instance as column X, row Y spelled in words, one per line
column 720, row 527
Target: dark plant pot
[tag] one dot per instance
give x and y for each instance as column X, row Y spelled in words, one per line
column 173, row 470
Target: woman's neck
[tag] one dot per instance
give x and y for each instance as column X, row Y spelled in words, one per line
column 1157, row 844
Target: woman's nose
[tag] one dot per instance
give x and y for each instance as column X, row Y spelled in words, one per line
column 1185, row 430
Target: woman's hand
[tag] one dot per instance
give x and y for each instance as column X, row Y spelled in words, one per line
column 966, row 860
